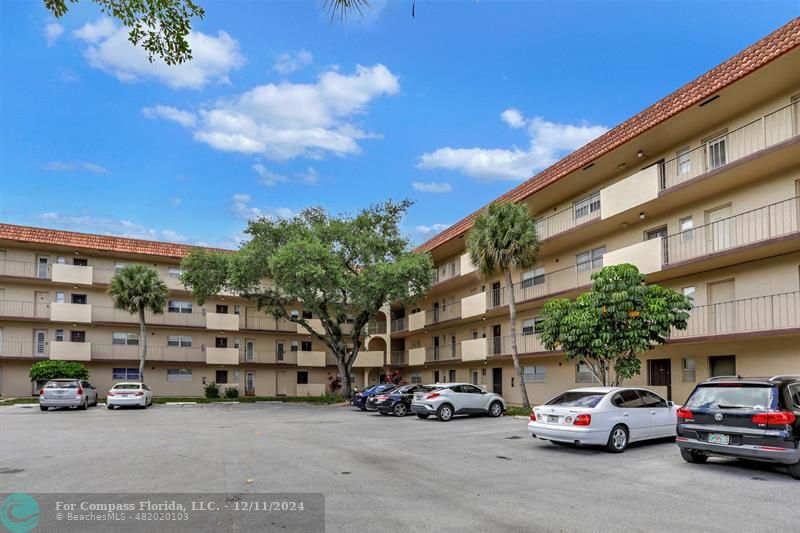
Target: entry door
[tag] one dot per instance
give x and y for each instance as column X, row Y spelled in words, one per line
column 41, row 267
column 661, row 374
column 722, row 315
column 496, row 294
column 40, row 343
column 719, row 229
column 436, row 348
column 474, row 374
column 282, row 377
column 497, row 381
column 42, row 304
column 436, row 311
column 250, row 384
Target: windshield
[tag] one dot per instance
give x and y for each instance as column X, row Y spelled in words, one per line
column 731, row 396
column 61, row 385
column 126, row 386
column 577, row 399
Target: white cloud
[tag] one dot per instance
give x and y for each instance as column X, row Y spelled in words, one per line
column 241, row 208
column 287, row 63
column 109, row 226
column 108, row 49
column 288, row 120
column 549, row 141
column 52, row 32
column 267, row 177
column 432, row 229
column 73, row 166
column 432, row 186
column 184, row 118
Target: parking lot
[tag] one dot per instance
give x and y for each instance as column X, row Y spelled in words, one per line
column 388, row 474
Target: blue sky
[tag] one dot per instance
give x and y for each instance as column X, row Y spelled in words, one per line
column 282, row 109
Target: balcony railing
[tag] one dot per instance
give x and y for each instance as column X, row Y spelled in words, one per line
column 19, row 309
column 24, row 269
column 762, row 313
column 398, row 357
column 103, row 276
column 775, row 220
column 399, row 324
column 571, row 217
column 154, row 353
column 112, row 314
column 550, row 283
column 443, row 313
column 12, row 348
column 448, row 352
column 529, row 343
column 257, row 356
column 449, row 270
column 759, row 134
column 266, row 323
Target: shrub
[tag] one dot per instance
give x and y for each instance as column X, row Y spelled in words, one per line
column 334, row 383
column 232, row 392
column 43, row 371
column 212, row 390
column 394, row 378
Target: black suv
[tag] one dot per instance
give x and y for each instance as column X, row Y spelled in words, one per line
column 751, row 418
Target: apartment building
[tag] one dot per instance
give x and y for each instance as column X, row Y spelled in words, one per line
column 701, row 191
column 54, row 305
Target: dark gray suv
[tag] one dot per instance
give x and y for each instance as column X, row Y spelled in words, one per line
column 751, row 418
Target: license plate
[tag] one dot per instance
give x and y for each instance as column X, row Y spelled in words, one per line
column 719, row 438
column 552, row 419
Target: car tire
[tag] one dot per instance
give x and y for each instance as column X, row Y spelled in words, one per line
column 794, row 470
column 691, row 456
column 84, row 405
column 109, row 407
column 400, row 409
column 423, row 416
column 617, row 439
column 496, row 409
column 445, row 412
column 43, row 408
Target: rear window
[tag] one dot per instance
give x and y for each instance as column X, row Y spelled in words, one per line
column 61, row 385
column 577, row 399
column 731, row 396
column 126, row 386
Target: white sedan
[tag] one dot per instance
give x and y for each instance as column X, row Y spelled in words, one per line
column 129, row 394
column 607, row 416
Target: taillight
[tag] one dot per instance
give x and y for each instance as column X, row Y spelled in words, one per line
column 533, row 416
column 582, row 420
column 79, row 391
column 774, row 418
column 111, row 393
column 684, row 414
column 41, row 391
column 381, row 398
column 140, row 393
column 432, row 395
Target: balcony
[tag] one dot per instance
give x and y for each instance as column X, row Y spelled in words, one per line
column 444, row 313
column 555, row 282
column 448, row 352
column 102, row 276
column 222, row 322
column 399, row 325
column 570, row 218
column 526, row 344
column 474, row 350
column 416, row 356
column 113, row 315
column 474, row 305
column 647, row 256
column 768, row 314
column 266, row 323
column 312, row 359
column 222, row 356
column 376, row 328
column 416, row 321
column 398, row 357
column 630, row 192
column 258, row 356
column 371, row 359
column 72, row 274
column 446, row 271
column 316, row 326
column 78, row 313
column 71, row 351
column 23, row 349
column 23, row 269
column 15, row 309
column 122, row 352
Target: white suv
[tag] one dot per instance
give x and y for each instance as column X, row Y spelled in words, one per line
column 448, row 399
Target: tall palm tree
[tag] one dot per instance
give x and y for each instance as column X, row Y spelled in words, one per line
column 136, row 289
column 504, row 238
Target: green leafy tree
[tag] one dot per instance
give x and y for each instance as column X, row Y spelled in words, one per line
column 342, row 269
column 609, row 326
column 136, row 289
column 43, row 371
column 503, row 237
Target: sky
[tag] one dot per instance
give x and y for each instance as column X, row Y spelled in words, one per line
column 282, row 109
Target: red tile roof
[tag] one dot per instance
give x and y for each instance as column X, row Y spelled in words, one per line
column 90, row 241
column 745, row 62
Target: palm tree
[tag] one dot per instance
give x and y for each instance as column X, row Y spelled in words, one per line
column 136, row 289
column 504, row 238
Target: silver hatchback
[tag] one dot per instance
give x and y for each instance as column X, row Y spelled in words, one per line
column 67, row 393
column 445, row 400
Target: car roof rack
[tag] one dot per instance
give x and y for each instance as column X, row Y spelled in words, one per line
column 715, row 378
column 783, row 376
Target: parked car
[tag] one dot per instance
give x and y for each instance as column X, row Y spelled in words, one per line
column 360, row 398
column 67, row 393
column 752, row 418
column 371, row 403
column 397, row 401
column 605, row 416
column 445, row 400
column 129, row 394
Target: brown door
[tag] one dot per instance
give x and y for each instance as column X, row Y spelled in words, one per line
column 660, row 374
column 497, row 381
column 722, row 309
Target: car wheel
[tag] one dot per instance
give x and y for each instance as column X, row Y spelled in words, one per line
column 43, row 408
column 444, row 413
column 84, row 404
column 109, row 407
column 691, row 456
column 422, row 416
column 400, row 409
column 794, row 470
column 496, row 409
column 617, row 439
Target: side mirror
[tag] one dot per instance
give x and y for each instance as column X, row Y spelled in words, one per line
column 483, row 392
column 670, row 404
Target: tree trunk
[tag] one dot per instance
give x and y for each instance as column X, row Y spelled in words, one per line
column 512, row 307
column 344, row 372
column 142, row 345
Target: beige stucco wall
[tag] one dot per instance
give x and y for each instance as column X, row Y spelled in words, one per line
column 473, row 350
column 474, row 305
column 629, row 192
column 647, row 256
column 222, row 321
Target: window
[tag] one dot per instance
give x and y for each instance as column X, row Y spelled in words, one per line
column 587, row 206
column 279, row 351
column 237, row 309
column 181, row 341
column 79, row 299
column 689, row 370
column 295, row 346
column 451, row 376
column 794, row 393
column 60, row 335
column 174, row 272
column 80, row 262
column 125, row 339
column 250, row 348
column 651, row 400
column 221, row 342
column 591, row 260
column 59, row 297
column 583, row 374
column 61, row 260
column 533, row 277
column 236, row 342
column 687, row 227
column 416, row 378
column 722, row 365
column 688, row 291
column 222, row 309
column 222, row 376
column 531, row 326
column 77, row 336
column 125, row 374
column 655, row 233
column 178, row 306
column 684, row 162
column 179, row 374
column 119, row 265
column 535, row 374
column 717, row 153
column 627, row 399
column 307, row 315
column 302, row 377
column 306, row 346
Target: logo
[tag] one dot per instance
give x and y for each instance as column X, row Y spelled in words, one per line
column 19, row 512
column 718, row 417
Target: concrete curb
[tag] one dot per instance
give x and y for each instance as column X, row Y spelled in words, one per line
column 519, row 417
